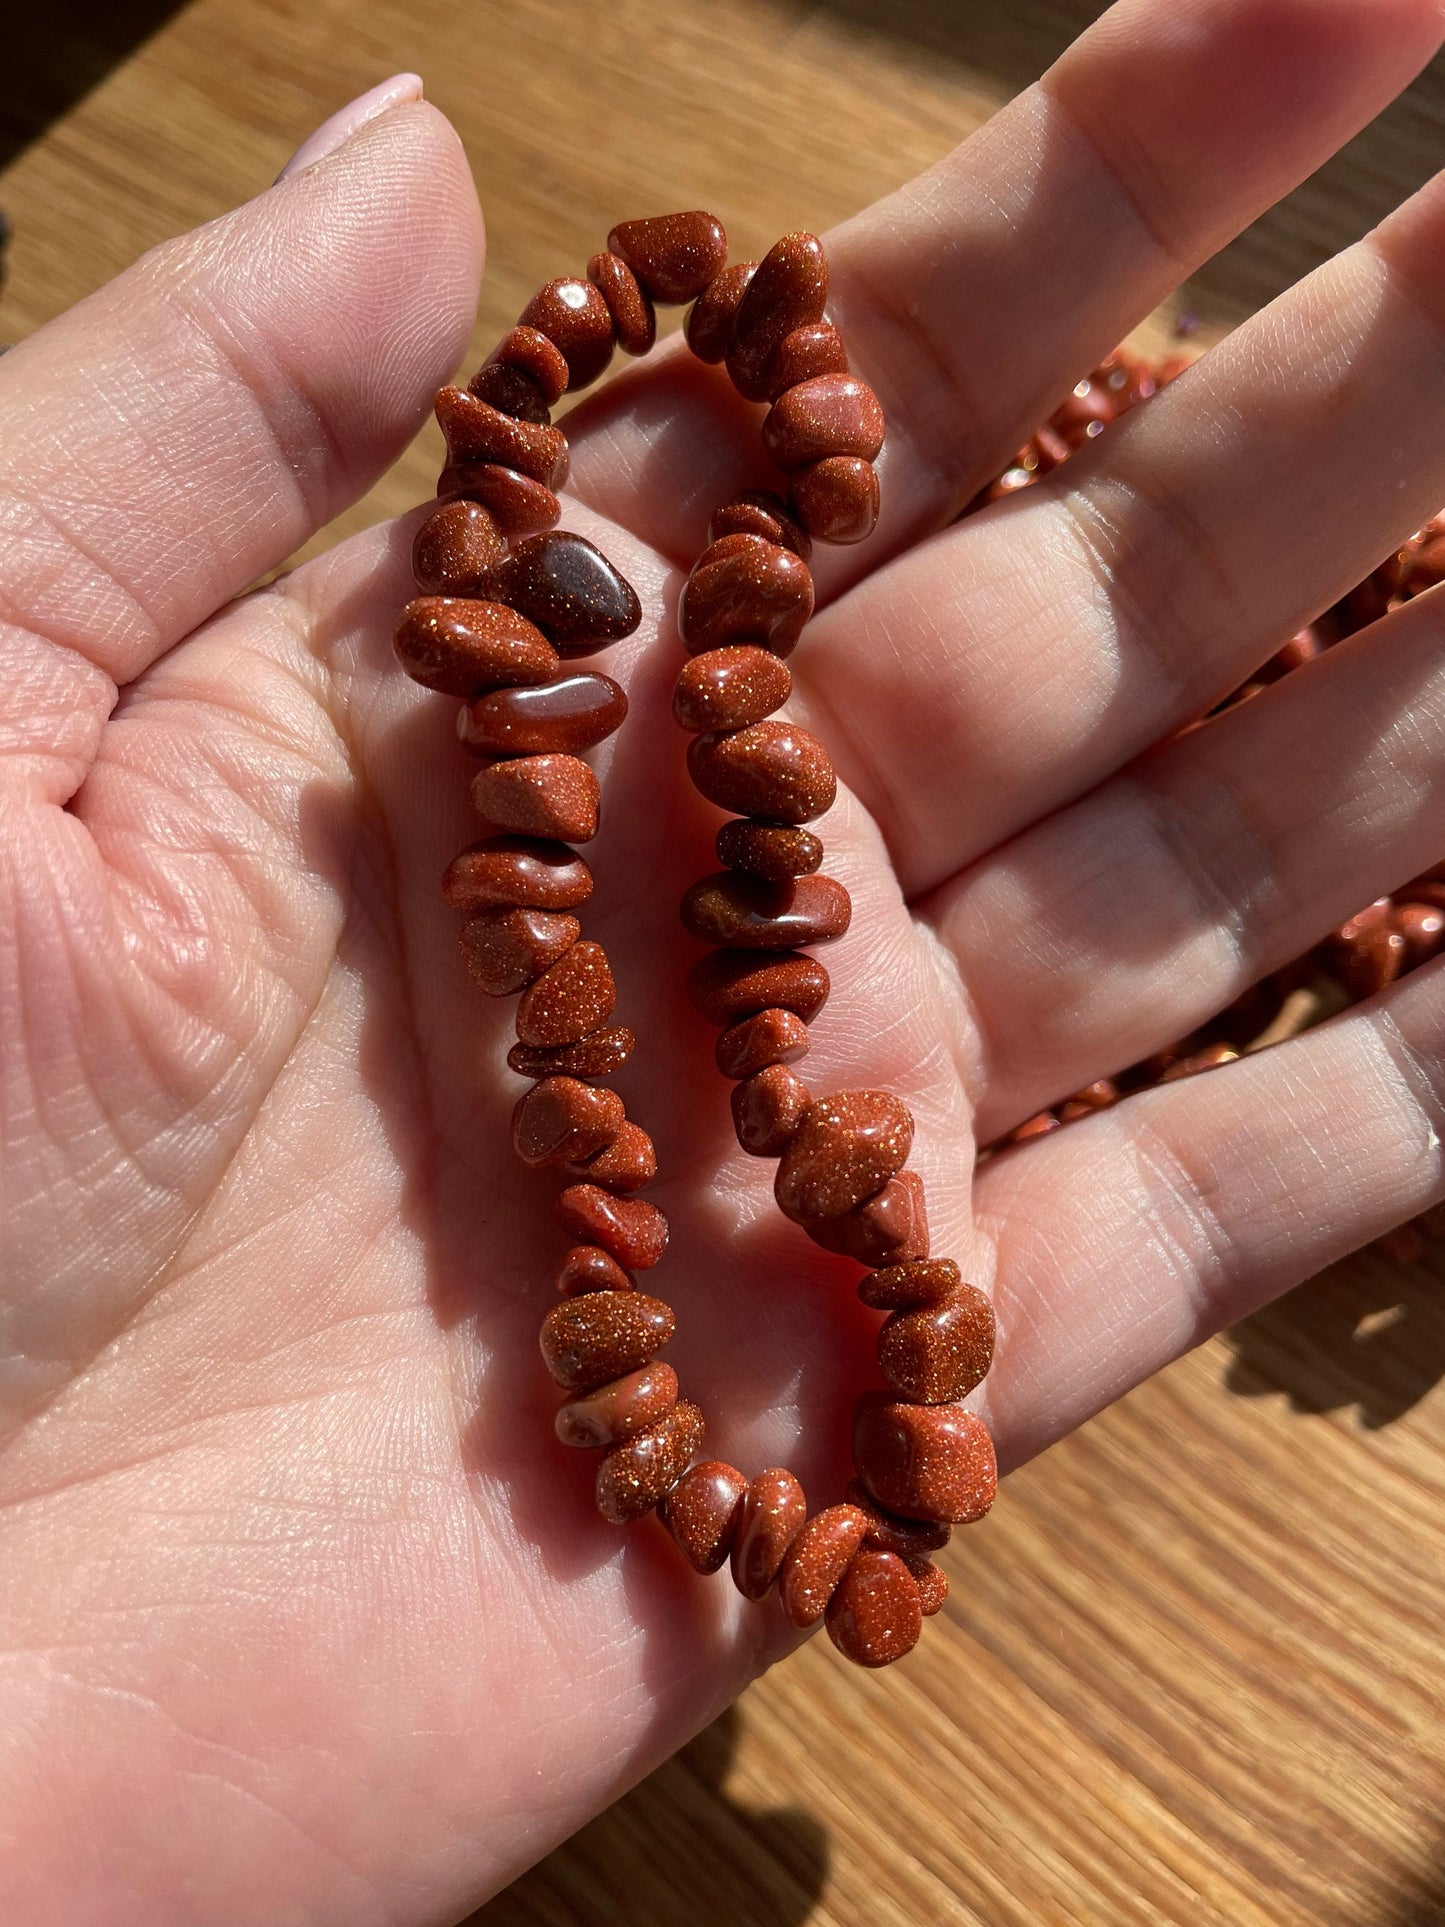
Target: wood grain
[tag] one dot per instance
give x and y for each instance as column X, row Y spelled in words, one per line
column 1191, row 1669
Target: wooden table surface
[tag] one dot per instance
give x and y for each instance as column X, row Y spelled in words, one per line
column 1191, row 1668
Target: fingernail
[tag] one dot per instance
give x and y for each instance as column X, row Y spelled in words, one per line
column 335, row 132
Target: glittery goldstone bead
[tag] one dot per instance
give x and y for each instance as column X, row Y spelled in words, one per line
column 845, row 1149
column 924, row 1461
column 674, row 256
column 875, row 1616
column 703, row 1512
column 631, row 1229
column 817, row 1560
column 635, row 1477
column 572, row 997
column 789, row 289
column 600, row 1335
column 620, row 1409
column 773, row 1514
column 938, row 1352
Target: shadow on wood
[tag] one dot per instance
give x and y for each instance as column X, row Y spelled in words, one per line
column 55, row 55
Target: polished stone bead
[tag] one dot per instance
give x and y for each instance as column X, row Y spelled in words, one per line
column 598, row 1054
column 599, row 1335
column 774, row 1510
column 510, row 391
column 460, row 647
column 814, row 349
column 728, row 984
column 454, row 548
column 476, row 432
column 766, row 1109
column 789, row 290
column 937, row 1353
column 846, row 1149
column 755, row 511
column 633, row 319
column 903, row 1287
column 561, row 1119
column 709, row 325
column 570, row 998
column 817, row 1560
column 626, row 1164
column 743, row 589
column 772, row 769
column 674, row 256
column 501, row 871
column 730, row 688
column 777, row 851
column 836, row 499
column 587, row 1268
column 768, row 1037
column 573, row 314
column 909, row 1538
column 747, row 912
column 539, row 796
column 830, row 415
column 572, row 713
column 874, row 1616
column 703, row 1512
column 890, row 1228
column 570, row 591
column 631, row 1229
column 924, row 1461
column 932, row 1584
column 635, row 1477
column 620, row 1410
column 506, row 949
column 535, row 356
column 518, row 505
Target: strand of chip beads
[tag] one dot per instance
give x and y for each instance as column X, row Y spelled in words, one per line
column 506, row 599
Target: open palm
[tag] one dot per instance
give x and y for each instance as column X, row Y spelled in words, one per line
column 304, row 1614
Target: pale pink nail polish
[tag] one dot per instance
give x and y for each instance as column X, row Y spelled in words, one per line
column 336, row 131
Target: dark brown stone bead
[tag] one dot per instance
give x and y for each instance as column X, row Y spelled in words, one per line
column 774, row 1512
column 836, row 499
column 817, row 1560
column 459, row 647
column 743, row 589
column 904, row 1287
column 768, row 1037
column 504, row 871
column 635, row 1477
column 539, row 796
column 889, row 1229
column 626, row 1164
column 562, row 1119
column 570, row 998
column 598, row 1054
column 909, row 1538
column 730, row 688
column 573, row 314
column 766, row 1110
column 775, row 770
column 510, row 391
column 569, row 590
column 476, row 432
column 875, row 1616
column 847, row 1148
column 674, row 256
column 747, row 912
column 587, row 1268
column 789, row 290
column 619, row 1411
column 924, row 1461
column 535, row 356
column 518, row 505
column 602, row 1334
column 777, row 851
column 634, row 1231
column 709, row 324
column 633, row 320
column 754, row 511
column 573, row 713
column 703, row 1512
column 938, row 1353
column 454, row 548
column 932, row 1584
column 828, row 416
column 728, row 984
column 506, row 949
column 812, row 350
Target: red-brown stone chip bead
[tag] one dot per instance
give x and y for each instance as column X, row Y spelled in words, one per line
column 909, row 1538
column 774, row 770
column 537, row 357
column 814, row 349
column 830, row 415
column 901, row 1287
column 554, row 796
column 875, row 1616
column 569, row 589
column 924, row 1461
column 633, row 319
column 729, row 984
column 633, row 1231
column 817, row 1560
column 603, row 1334
column 570, row 998
column 777, row 851
column 506, row 949
column 635, row 1477
column 674, row 256
column 517, row 504
column 573, row 314
column 589, row 1268
column 756, row 511
column 709, row 324
column 743, row 589
column 774, row 1510
column 766, row 1110
column 789, row 290
column 836, row 500
column 502, row 871
column 769, row 1037
column 598, row 1054
column 573, row 713
column 454, row 549
column 750, row 913
column 626, row 1164
column 703, row 1512
column 729, row 688
column 459, row 647
column 561, row 1118
column 476, row 432
column 849, row 1145
column 620, row 1410
column 932, row 1584
column 890, row 1228
column 510, row 391
column 936, row 1353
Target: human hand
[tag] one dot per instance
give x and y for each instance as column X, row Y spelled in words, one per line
column 305, row 1615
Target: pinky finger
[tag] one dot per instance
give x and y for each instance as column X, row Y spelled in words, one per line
column 1132, row 1236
